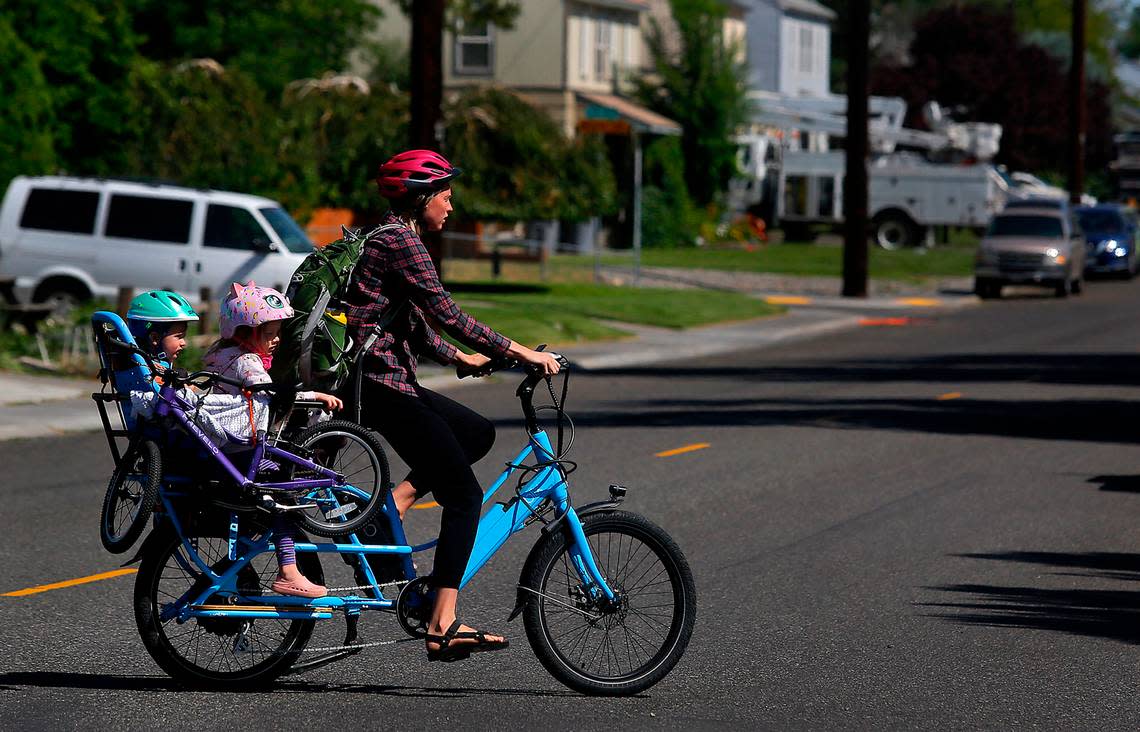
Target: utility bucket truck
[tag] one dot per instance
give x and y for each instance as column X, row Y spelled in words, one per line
column 792, row 178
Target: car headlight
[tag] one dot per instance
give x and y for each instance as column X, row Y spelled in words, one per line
column 1053, row 253
column 1110, row 245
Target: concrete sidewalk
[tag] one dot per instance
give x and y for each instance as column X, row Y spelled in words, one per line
column 37, row 406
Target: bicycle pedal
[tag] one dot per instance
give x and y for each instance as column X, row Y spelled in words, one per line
column 271, row 505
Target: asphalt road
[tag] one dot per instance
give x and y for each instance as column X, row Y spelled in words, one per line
column 929, row 526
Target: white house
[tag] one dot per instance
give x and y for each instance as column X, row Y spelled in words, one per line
column 789, row 47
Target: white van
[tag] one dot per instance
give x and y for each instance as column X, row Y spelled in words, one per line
column 66, row 240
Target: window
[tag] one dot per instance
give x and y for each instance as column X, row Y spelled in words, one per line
column 153, row 219
column 292, row 235
column 230, row 227
column 1018, row 225
column 603, row 49
column 474, row 47
column 54, row 210
column 806, row 48
column 1101, row 221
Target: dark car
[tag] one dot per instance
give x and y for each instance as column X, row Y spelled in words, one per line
column 1111, row 231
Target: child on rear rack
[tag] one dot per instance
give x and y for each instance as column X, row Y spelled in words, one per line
column 251, row 319
column 158, row 321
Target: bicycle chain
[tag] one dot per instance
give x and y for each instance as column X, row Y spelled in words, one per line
column 361, row 646
column 397, row 583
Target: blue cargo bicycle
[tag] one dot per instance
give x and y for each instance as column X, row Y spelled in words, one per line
column 607, row 597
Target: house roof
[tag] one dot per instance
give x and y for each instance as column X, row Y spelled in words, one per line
column 807, row 7
column 642, row 119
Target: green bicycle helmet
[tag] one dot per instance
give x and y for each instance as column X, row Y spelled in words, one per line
column 155, row 310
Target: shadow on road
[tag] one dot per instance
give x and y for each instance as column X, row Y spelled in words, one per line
column 1113, row 614
column 1118, row 483
column 1083, row 419
column 1089, row 420
column 108, row 682
column 1119, row 369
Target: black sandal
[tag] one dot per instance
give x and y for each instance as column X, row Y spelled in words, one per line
column 448, row 653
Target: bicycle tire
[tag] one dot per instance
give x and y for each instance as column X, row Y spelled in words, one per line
column 194, row 653
column 564, row 652
column 131, row 495
column 372, row 478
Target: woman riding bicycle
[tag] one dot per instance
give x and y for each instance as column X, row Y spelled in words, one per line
column 437, row 437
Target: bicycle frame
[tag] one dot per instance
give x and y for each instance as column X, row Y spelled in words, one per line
column 497, row 525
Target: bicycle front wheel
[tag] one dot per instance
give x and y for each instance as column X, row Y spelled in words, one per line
column 611, row 648
column 355, row 453
column 222, row 653
column 131, row 496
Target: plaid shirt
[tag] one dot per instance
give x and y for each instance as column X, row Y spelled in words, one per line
column 395, row 267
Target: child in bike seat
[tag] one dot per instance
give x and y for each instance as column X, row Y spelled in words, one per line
column 158, row 320
column 251, row 319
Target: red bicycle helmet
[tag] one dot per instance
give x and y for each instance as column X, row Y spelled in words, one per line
column 415, row 171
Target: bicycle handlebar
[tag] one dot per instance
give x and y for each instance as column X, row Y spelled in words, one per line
column 502, row 364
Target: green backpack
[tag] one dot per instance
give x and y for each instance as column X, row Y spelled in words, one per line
column 315, row 349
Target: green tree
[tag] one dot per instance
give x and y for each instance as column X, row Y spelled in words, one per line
column 518, row 165
column 668, row 216
column 214, row 128
column 1129, row 43
column 345, row 134
column 26, row 139
column 87, row 52
column 702, row 87
column 273, row 41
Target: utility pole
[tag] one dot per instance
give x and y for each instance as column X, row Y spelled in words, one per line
column 427, row 91
column 855, row 180
column 1077, row 115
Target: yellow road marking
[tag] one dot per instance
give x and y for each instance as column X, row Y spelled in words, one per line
column 950, row 395
column 429, row 504
column 69, row 583
column 682, row 450
column 919, row 302
column 787, row 300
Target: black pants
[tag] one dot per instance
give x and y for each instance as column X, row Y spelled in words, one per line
column 439, row 439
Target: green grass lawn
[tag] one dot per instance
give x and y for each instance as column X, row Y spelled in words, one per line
column 820, row 260
column 568, row 313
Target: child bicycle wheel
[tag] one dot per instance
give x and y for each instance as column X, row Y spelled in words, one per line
column 355, row 453
column 131, row 495
column 224, row 652
column 614, row 648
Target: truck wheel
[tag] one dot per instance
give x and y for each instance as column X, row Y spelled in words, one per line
column 64, row 295
column 894, row 230
column 987, row 289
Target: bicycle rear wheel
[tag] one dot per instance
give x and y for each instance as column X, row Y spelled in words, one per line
column 618, row 648
column 229, row 653
column 131, row 496
column 355, row 453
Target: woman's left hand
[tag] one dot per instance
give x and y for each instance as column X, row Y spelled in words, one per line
column 469, row 361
